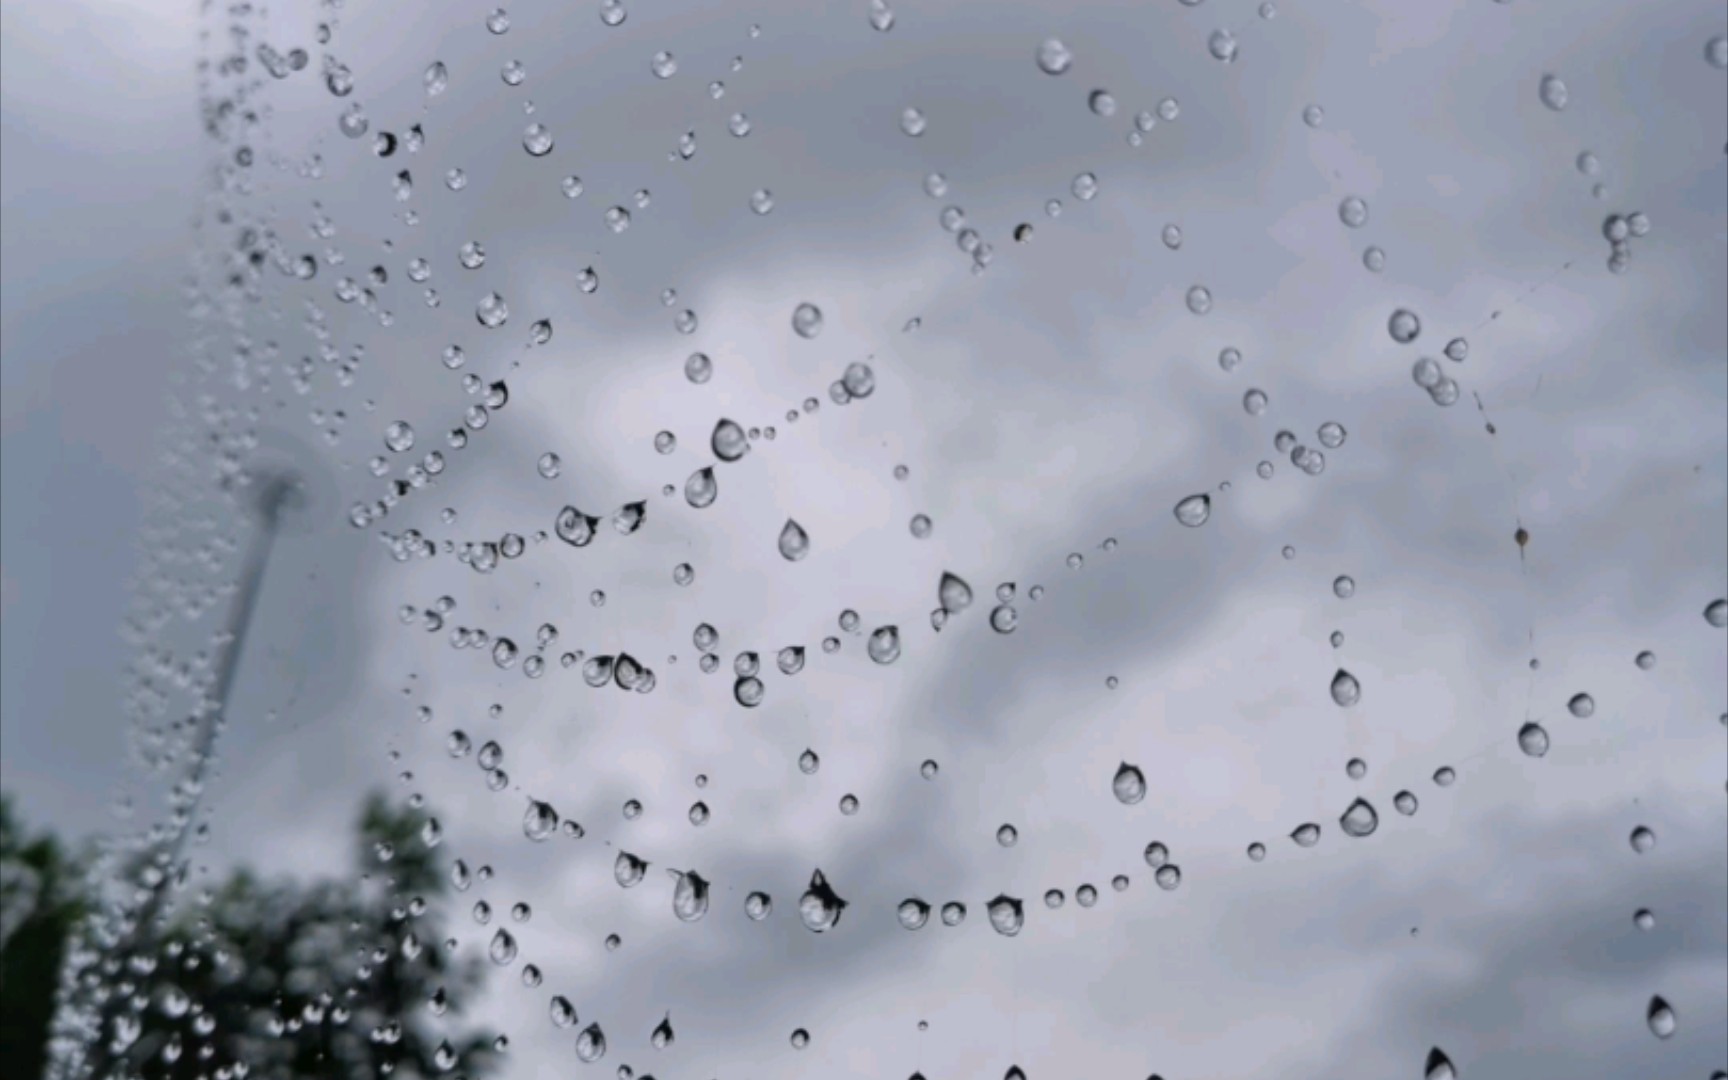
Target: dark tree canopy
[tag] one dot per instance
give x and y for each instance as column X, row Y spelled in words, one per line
column 287, row 979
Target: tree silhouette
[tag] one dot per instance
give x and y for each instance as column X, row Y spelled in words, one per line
column 40, row 903
column 327, row 979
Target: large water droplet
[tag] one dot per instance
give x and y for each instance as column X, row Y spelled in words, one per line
column 1439, row 1066
column 628, row 870
column 502, row 950
column 574, row 527
column 1054, row 58
column 591, row 1044
column 1007, row 915
column 794, row 541
column 1716, row 613
column 1129, row 784
column 820, row 907
column 1360, row 819
column 884, row 644
column 690, row 897
column 1552, row 90
column 1194, row 510
column 913, row 913
column 1533, row 740
column 701, row 489
column 1661, row 1018
column 540, row 822
column 953, row 594
column 1346, row 691
column 729, row 442
column 807, row 320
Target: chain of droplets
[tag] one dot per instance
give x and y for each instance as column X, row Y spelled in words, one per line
column 1360, row 819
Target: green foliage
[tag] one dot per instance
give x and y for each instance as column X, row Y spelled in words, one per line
column 39, row 905
column 327, row 979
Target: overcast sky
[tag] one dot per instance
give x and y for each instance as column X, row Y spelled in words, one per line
column 1066, row 396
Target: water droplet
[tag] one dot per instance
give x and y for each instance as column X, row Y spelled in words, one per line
column 663, row 65
column 1085, row 187
column 1054, row 57
column 820, row 907
column 807, row 320
column 1007, row 836
column 1644, row 919
column 794, row 541
column 1007, row 915
column 884, row 644
column 1642, row 840
column 492, row 311
column 758, row 906
column 629, row 517
column 537, row 140
column 591, row 1044
column 1552, row 90
column 502, row 950
column 913, row 913
column 1405, row 803
column 1254, row 402
column 1256, row 851
column 1716, row 613
column 1306, row 835
column 1582, row 706
column 912, row 121
column 881, row 16
column 1661, row 1018
column 1313, row 116
column 1353, row 211
column 540, row 822
column 953, row 594
column 1222, row 45
column 1101, row 103
column 1533, row 740
column 1194, row 510
column 628, row 870
column 1129, row 784
column 1404, row 326
column 689, row 899
column 574, row 527
column 1346, row 691
column 748, row 691
column 1716, row 52
column 399, row 437
column 701, row 488
column 1360, row 819
column 1439, row 1066
column 1199, row 299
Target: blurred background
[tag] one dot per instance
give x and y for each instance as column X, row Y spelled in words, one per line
column 318, row 317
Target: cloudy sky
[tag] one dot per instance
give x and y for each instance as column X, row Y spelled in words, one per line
column 1065, row 397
